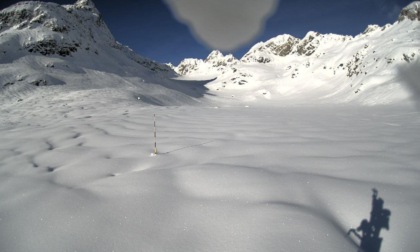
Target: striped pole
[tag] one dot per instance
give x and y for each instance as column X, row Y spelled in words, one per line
column 154, row 125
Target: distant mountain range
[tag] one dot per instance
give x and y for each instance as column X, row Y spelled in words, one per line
column 364, row 67
column 44, row 44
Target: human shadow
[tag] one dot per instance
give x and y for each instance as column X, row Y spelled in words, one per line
column 370, row 230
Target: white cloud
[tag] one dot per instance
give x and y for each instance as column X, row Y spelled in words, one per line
column 223, row 24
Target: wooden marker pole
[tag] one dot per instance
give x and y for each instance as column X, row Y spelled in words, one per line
column 154, row 125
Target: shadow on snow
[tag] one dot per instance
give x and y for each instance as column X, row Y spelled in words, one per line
column 192, row 88
column 379, row 219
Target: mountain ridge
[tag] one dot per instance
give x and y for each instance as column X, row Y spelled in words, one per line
column 44, row 44
column 368, row 61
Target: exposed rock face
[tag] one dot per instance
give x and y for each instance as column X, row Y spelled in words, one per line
column 308, row 45
column 86, row 5
column 14, row 17
column 216, row 59
column 188, row 66
column 411, row 12
column 50, row 47
column 282, row 45
column 285, row 45
column 282, row 49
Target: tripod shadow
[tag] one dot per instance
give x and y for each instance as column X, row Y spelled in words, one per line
column 379, row 219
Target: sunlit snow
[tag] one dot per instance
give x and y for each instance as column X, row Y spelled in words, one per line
column 273, row 164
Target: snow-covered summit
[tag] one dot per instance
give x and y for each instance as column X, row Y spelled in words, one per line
column 216, row 58
column 285, row 45
column 215, row 62
column 411, row 12
column 86, row 4
column 214, row 55
column 264, row 52
column 45, row 43
column 50, row 29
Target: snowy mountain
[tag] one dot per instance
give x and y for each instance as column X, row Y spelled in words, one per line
column 44, row 44
column 78, row 164
column 47, row 44
column 51, row 29
column 215, row 60
column 321, row 67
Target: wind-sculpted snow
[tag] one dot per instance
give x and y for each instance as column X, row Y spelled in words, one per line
column 76, row 174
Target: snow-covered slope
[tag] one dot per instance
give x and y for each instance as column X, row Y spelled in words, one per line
column 46, row 44
column 411, row 12
column 321, row 67
column 69, row 31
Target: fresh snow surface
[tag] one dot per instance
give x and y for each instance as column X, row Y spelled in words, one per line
column 77, row 174
column 274, row 156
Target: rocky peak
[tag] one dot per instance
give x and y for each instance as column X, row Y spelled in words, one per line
column 281, row 45
column 214, row 55
column 371, row 28
column 262, row 52
column 187, row 66
column 65, row 30
column 411, row 12
column 216, row 59
column 86, row 5
column 308, row 44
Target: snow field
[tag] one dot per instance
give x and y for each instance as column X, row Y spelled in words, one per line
column 80, row 177
column 248, row 161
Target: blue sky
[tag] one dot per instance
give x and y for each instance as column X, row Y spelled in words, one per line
column 150, row 29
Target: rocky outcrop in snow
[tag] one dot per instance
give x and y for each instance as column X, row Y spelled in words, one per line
column 264, row 52
column 216, row 61
column 286, row 45
column 411, row 12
